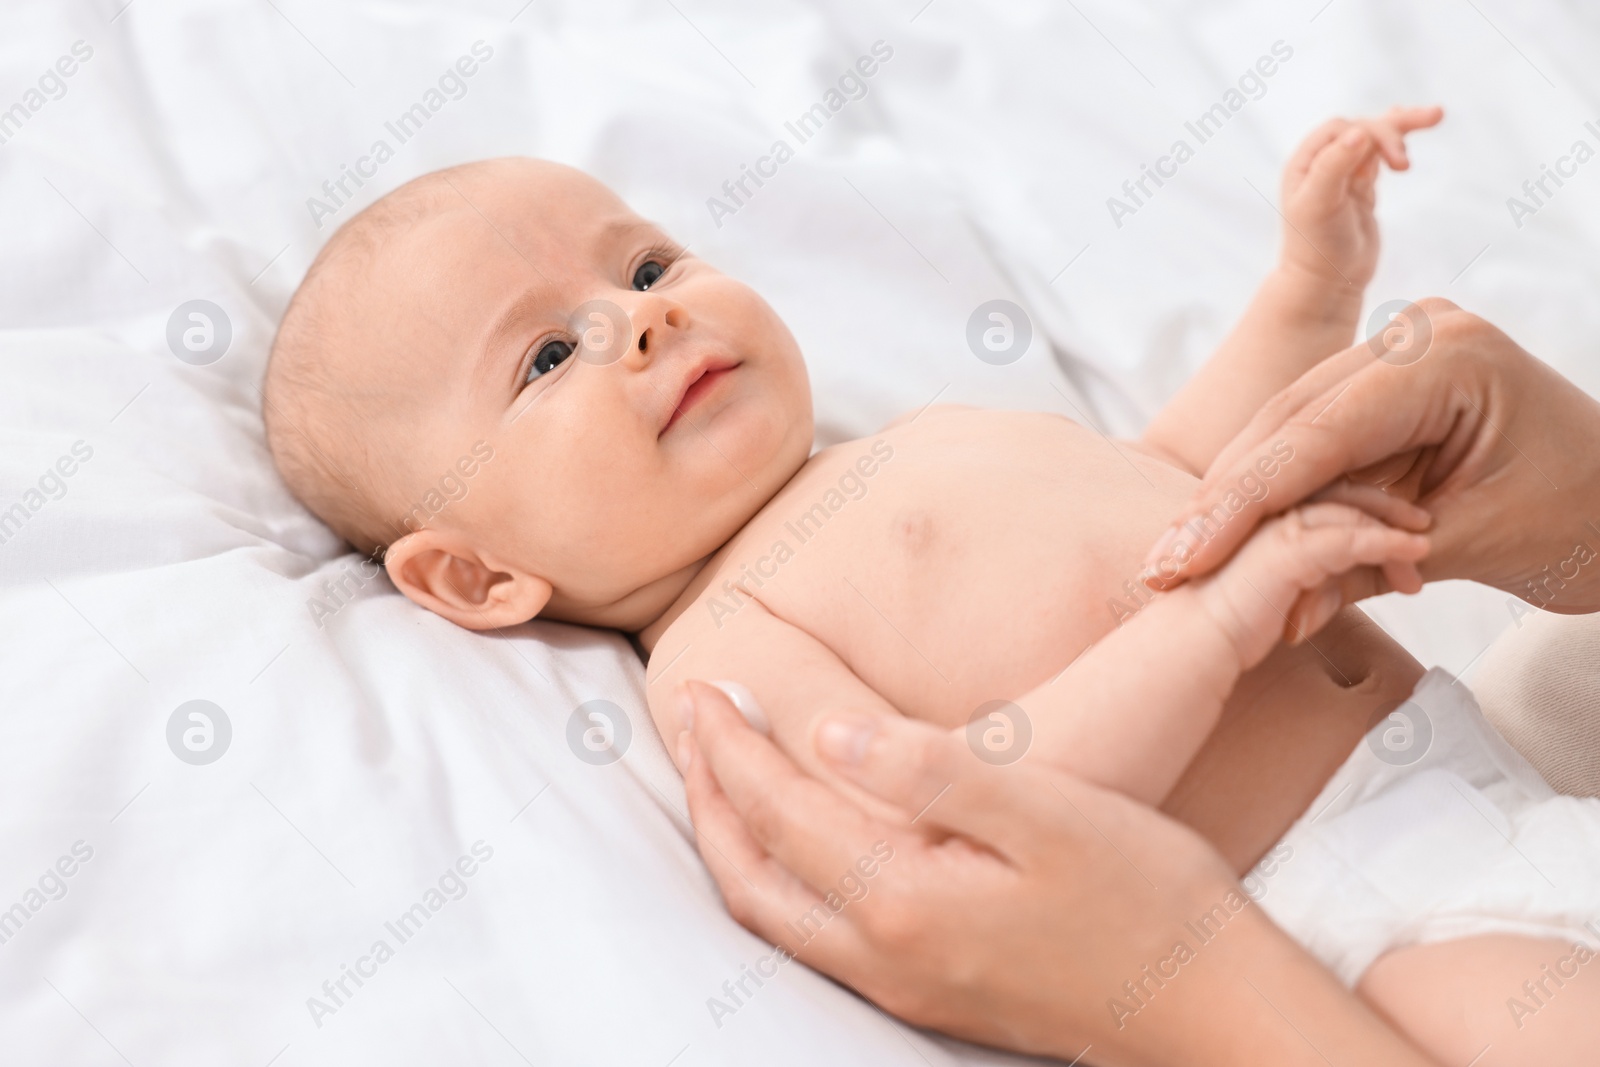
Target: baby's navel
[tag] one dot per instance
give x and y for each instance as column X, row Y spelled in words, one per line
column 913, row 531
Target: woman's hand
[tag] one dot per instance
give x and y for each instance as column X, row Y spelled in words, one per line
column 1014, row 906
column 1440, row 408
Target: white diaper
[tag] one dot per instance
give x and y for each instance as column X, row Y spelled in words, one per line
column 1435, row 828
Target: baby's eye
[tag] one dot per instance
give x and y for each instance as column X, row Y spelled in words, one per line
column 551, row 356
column 646, row 275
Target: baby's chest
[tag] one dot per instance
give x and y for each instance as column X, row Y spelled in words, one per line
column 939, row 595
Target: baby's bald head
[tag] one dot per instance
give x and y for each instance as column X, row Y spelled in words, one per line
column 321, row 415
column 336, row 416
column 530, row 397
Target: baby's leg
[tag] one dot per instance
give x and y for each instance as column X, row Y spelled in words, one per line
column 1492, row 1001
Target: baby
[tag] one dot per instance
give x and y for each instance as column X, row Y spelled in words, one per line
column 637, row 432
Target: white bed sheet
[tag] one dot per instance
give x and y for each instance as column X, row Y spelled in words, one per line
column 371, row 753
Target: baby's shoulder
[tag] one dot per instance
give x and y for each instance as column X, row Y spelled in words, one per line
column 930, row 411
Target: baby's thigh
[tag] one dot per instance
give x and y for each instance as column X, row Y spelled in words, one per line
column 1492, row 1001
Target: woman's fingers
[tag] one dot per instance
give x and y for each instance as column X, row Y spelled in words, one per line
column 1325, row 380
column 760, row 892
column 801, row 823
column 931, row 774
column 1379, row 412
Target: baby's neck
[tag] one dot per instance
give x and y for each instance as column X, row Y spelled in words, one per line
column 700, row 575
column 693, row 581
column 645, row 613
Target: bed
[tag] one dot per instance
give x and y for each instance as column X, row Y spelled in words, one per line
column 196, row 890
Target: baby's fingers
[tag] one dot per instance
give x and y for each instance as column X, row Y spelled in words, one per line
column 1314, row 607
column 1338, row 538
column 1312, row 611
column 1391, row 130
column 1407, row 119
column 1327, row 181
column 1355, row 556
column 1385, row 507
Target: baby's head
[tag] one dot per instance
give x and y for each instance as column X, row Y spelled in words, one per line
column 530, row 398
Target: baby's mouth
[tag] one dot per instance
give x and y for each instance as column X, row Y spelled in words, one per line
column 700, row 382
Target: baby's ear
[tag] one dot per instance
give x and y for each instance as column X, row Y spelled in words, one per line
column 448, row 577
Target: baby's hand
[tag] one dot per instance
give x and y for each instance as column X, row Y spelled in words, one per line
column 1296, row 571
column 1328, row 194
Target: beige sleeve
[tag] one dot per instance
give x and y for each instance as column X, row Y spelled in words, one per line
column 1539, row 684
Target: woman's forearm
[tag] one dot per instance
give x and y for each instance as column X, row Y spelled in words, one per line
column 1248, row 996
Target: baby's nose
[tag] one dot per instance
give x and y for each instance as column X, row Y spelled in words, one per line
column 653, row 326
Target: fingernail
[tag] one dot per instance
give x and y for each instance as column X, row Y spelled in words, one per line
column 685, row 706
column 685, row 751
column 745, row 701
column 1354, row 136
column 844, row 739
column 1162, row 544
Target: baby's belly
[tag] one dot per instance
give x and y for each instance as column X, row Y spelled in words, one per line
column 976, row 559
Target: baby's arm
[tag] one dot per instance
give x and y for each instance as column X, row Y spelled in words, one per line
column 1133, row 710
column 1308, row 307
column 793, row 676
